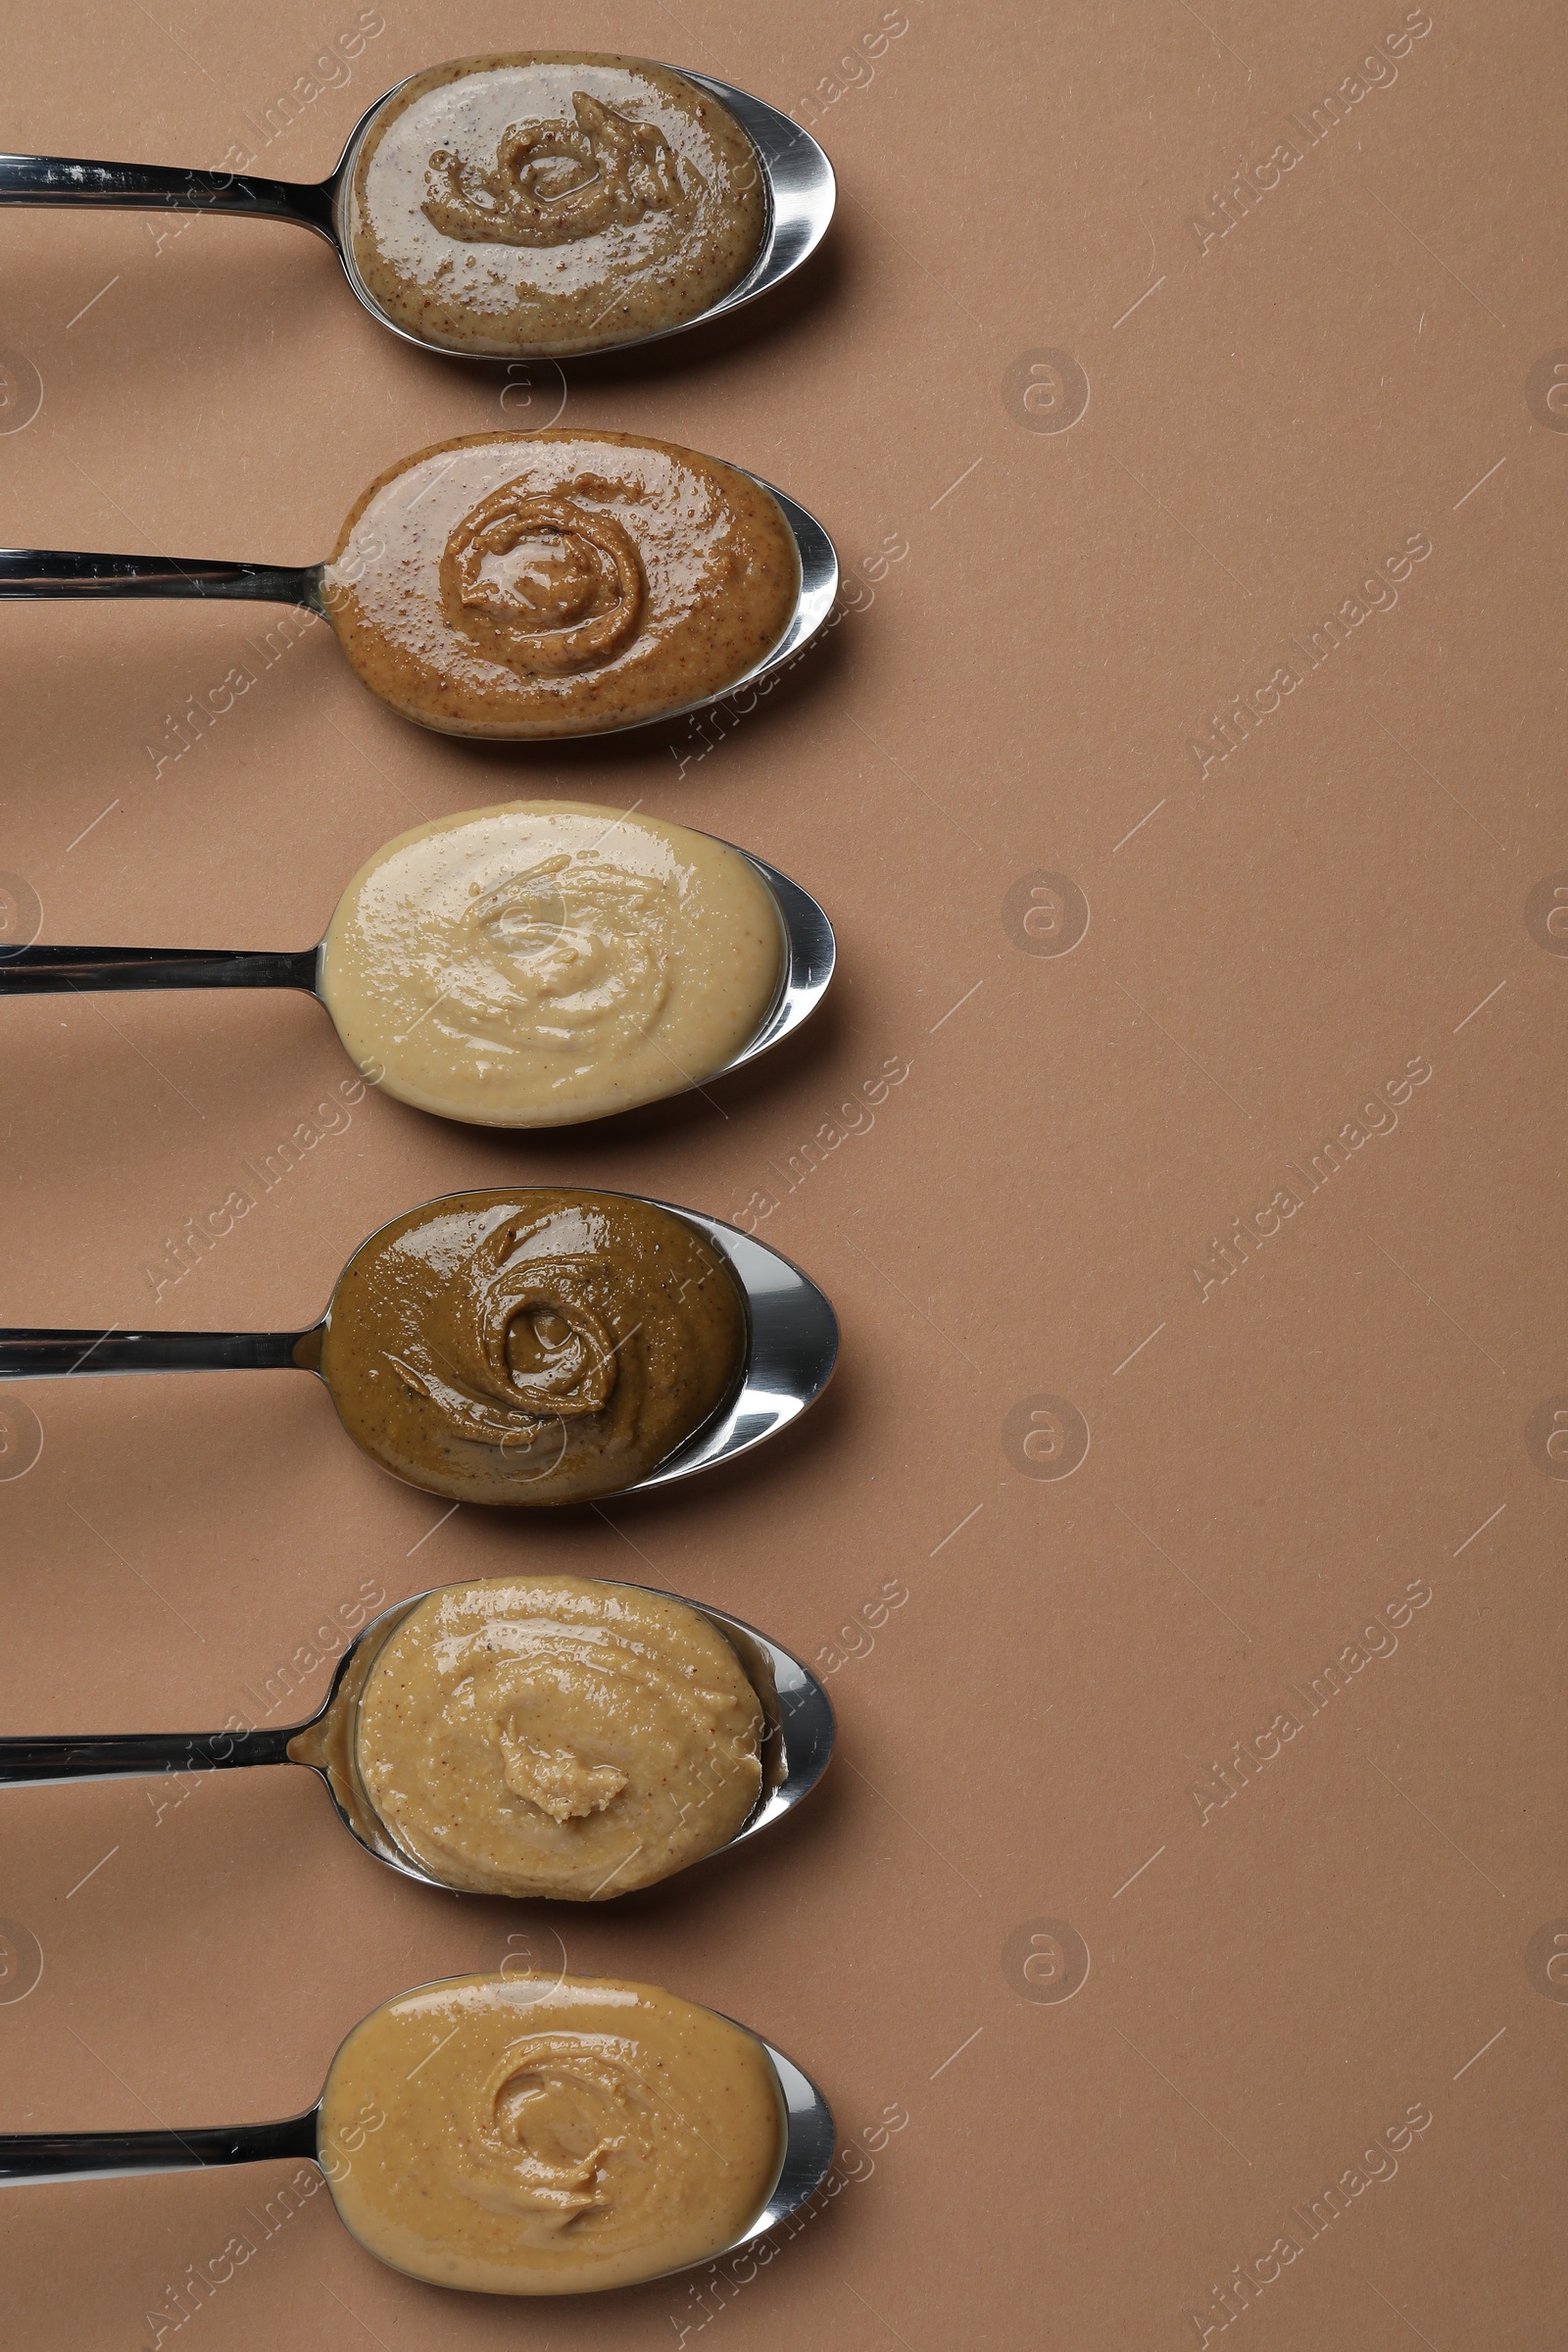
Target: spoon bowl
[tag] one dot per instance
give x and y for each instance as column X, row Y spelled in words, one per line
column 795, row 1746
column 805, row 969
column 798, row 186
column 805, row 2146
column 789, row 1353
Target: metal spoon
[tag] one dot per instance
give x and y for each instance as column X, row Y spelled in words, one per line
column 791, row 1346
column 798, row 177
column 797, row 1739
column 29, row 575
column 809, row 2137
column 808, row 967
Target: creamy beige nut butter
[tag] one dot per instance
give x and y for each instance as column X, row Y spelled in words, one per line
column 518, row 585
column 548, row 962
column 532, row 1347
column 550, row 1735
column 550, row 2139
column 543, row 202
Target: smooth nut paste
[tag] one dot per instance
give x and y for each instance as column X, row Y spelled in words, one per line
column 531, row 1346
column 548, row 962
column 550, row 2139
column 550, row 1735
column 518, row 585
column 542, row 202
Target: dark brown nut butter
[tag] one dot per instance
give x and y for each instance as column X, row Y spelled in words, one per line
column 532, row 1347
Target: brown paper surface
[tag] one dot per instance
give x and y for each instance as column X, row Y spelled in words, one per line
column 1225, row 1141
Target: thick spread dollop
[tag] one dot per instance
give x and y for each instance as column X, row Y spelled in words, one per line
column 550, row 1735
column 544, row 202
column 546, row 961
column 548, row 2139
column 517, row 585
column 532, row 1345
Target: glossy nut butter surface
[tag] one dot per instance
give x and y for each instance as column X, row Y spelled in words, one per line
column 552, row 1736
column 520, row 585
column 550, row 2139
column 544, row 202
column 536, row 1345
column 548, row 962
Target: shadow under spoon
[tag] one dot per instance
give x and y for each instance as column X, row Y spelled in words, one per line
column 810, row 953
column 795, row 1746
column 799, row 181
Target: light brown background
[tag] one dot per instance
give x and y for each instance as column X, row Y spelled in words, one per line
column 1281, row 1459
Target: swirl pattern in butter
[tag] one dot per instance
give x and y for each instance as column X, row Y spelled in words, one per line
column 617, row 173
column 548, row 962
column 543, row 585
column 550, row 2137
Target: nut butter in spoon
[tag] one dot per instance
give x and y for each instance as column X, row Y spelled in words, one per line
column 547, row 963
column 559, row 583
column 542, row 1737
column 555, row 1737
column 530, row 1347
column 548, row 1346
column 539, row 202
column 522, row 587
column 595, row 2135
column 521, row 2135
column 531, row 966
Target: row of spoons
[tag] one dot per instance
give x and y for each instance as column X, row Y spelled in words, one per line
column 580, row 1312
column 568, row 1659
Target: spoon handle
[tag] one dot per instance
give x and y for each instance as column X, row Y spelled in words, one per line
column 36, row 1354
column 163, row 187
column 38, row 971
column 35, row 571
column 130, row 1755
column 110, row 2155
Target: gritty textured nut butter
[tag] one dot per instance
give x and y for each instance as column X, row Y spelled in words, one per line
column 548, row 2139
column 542, row 202
column 531, row 1346
column 546, row 961
column 549, row 1736
column 518, row 585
